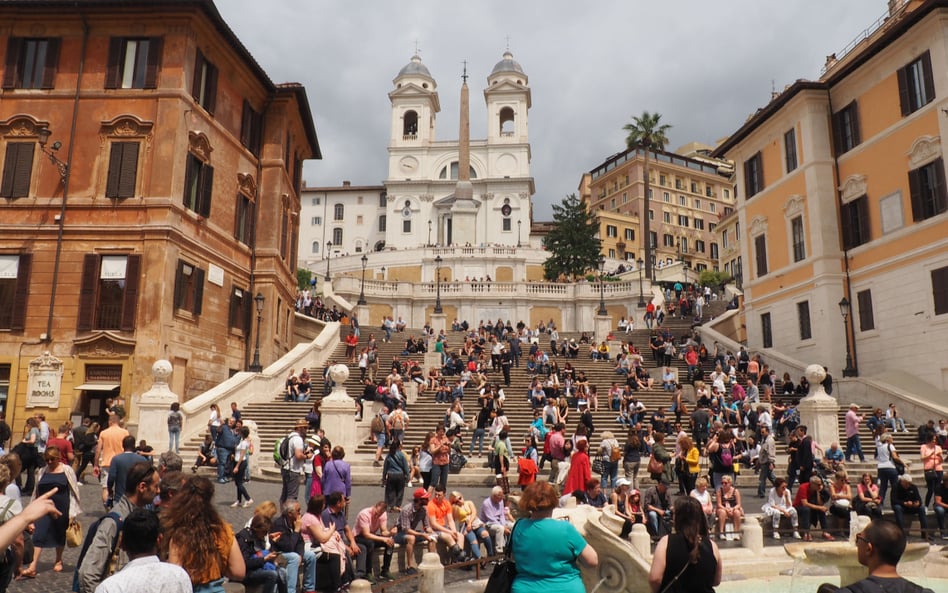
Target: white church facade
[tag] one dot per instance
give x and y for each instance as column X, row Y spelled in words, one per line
column 420, row 203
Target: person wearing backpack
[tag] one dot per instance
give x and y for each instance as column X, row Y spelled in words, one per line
column 292, row 465
column 141, row 487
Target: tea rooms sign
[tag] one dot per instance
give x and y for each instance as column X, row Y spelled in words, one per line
column 45, row 382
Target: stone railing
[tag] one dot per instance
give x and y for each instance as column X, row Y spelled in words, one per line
column 345, row 285
column 245, row 386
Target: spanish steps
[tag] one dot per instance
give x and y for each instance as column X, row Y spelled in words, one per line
column 275, row 417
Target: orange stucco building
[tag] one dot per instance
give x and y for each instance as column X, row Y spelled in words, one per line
column 150, row 188
column 842, row 195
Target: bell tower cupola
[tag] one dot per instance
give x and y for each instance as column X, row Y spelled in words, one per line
column 414, row 105
column 508, row 100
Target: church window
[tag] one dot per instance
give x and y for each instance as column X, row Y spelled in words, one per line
column 410, row 125
column 382, row 199
column 383, row 223
column 506, row 121
column 406, row 225
column 337, row 237
column 453, row 168
column 507, row 225
column 339, row 212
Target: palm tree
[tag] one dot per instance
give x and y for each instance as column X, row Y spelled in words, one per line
column 646, row 133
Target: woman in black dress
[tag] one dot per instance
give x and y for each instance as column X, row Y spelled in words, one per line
column 688, row 558
column 50, row 532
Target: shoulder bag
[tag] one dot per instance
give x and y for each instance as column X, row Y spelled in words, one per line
column 502, row 578
column 655, row 466
column 899, row 464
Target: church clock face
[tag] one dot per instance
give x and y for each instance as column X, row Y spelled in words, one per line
column 506, row 209
column 406, row 212
column 408, row 164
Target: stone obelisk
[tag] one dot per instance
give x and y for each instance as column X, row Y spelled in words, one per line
column 464, row 210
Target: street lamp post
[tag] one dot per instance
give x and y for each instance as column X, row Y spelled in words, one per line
column 328, row 255
column 641, row 296
column 846, row 309
column 437, row 308
column 361, row 301
column 518, row 232
column 602, row 296
column 255, row 366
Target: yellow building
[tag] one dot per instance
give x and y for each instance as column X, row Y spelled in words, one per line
column 843, row 196
column 688, row 194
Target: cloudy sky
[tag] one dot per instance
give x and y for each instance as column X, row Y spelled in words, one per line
column 705, row 66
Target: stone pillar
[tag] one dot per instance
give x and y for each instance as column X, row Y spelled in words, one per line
column 411, row 392
column 602, row 325
column 360, row 586
column 753, row 536
column 154, row 405
column 438, row 323
column 338, row 410
column 818, row 411
column 640, row 540
column 431, row 574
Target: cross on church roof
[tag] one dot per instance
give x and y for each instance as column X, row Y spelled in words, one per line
column 464, row 75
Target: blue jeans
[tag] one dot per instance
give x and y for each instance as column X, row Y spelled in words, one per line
column 222, row 455
column 900, row 513
column 211, row 587
column 293, row 570
column 854, row 447
column 174, row 440
column 439, row 475
column 478, row 437
column 654, row 523
column 610, row 473
column 940, row 518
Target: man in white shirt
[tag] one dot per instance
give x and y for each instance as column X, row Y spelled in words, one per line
column 292, row 468
column 144, row 573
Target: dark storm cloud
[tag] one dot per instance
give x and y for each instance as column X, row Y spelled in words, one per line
column 705, row 66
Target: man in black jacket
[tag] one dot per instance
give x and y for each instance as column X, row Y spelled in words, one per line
column 262, row 568
column 285, row 538
column 906, row 499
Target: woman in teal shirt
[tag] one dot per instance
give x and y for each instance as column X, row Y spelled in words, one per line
column 546, row 549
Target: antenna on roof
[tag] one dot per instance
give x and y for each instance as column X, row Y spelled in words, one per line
column 773, row 89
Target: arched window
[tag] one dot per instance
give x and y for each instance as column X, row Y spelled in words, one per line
column 339, row 212
column 410, row 125
column 506, row 121
column 337, row 237
column 315, row 246
column 454, row 171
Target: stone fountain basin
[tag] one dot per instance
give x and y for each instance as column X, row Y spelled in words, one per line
column 844, row 553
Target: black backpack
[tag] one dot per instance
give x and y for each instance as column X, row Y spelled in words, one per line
column 90, row 536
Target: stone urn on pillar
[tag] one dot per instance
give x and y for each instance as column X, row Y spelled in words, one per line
column 338, row 411
column 818, row 410
column 154, row 405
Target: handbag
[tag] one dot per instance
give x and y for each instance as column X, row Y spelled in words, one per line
column 655, row 466
column 74, row 534
column 597, row 464
column 931, row 475
column 502, row 578
column 899, row 465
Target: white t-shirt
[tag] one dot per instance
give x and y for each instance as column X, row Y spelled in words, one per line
column 240, row 453
column 296, row 444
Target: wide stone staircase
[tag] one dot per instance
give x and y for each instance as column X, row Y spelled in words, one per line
column 274, row 417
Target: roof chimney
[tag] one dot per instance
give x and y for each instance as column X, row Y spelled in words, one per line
column 346, row 183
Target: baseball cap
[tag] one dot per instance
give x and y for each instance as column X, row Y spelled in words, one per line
column 420, row 494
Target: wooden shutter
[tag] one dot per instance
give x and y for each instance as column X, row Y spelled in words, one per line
column 133, row 266
column 234, row 310
column 905, row 97
column 123, row 170
column 940, row 290
column 196, row 79
column 915, row 190
column 113, row 69
column 246, row 119
column 52, row 62
column 18, row 321
column 179, row 285
column 17, row 170
column 198, row 290
column 10, row 73
column 87, row 286
column 854, row 118
column 205, row 190
column 210, row 89
column 928, row 81
column 154, row 62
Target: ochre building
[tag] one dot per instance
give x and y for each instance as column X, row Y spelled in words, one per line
column 150, row 189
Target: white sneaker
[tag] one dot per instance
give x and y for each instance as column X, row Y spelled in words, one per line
column 776, row 535
column 247, row 503
column 796, row 535
column 410, row 484
column 235, row 505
